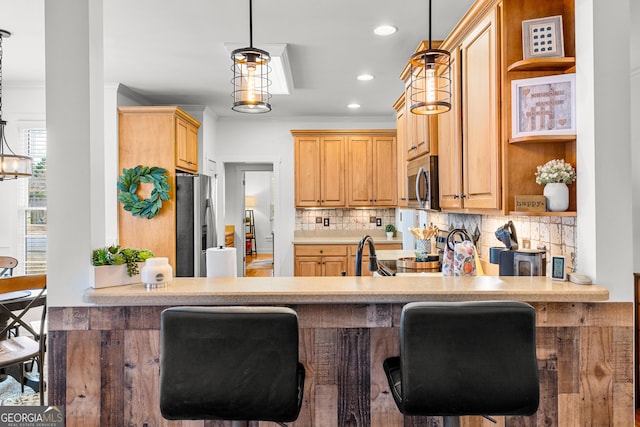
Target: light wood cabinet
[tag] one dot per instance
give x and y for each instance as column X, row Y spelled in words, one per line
column 401, row 145
column 320, row 260
column 186, row 146
column 319, row 171
column 328, row 175
column 480, row 104
column 469, row 168
column 371, row 171
column 149, row 136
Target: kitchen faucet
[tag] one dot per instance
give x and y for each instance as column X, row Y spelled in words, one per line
column 373, row 260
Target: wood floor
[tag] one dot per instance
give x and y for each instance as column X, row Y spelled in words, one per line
column 258, row 265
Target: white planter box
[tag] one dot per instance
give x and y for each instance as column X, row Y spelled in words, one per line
column 114, row 275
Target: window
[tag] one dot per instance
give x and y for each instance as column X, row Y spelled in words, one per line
column 32, row 204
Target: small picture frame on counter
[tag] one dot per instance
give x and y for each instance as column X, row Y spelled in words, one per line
column 558, row 268
column 542, row 37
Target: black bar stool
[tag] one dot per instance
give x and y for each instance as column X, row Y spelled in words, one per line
column 465, row 358
column 230, row 363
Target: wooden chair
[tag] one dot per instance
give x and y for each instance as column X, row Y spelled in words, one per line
column 7, row 264
column 15, row 303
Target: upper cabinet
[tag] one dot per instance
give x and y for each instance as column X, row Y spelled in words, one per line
column 186, row 145
column 342, row 168
column 401, row 125
column 319, row 170
column 371, row 171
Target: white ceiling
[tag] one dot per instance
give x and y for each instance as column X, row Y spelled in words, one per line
column 172, row 51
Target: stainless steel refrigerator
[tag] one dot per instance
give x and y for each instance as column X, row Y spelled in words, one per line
column 195, row 223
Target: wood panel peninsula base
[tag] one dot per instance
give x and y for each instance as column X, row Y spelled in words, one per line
column 103, row 359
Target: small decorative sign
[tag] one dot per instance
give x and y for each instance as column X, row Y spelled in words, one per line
column 542, row 37
column 544, row 106
column 534, row 203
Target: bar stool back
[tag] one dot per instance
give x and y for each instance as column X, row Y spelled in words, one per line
column 230, row 363
column 465, row 358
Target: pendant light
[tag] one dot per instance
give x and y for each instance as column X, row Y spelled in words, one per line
column 12, row 165
column 430, row 88
column 251, row 76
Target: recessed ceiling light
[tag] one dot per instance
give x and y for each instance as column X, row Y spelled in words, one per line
column 385, row 30
column 365, row 77
column 353, row 106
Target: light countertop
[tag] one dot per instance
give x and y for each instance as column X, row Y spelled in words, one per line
column 336, row 290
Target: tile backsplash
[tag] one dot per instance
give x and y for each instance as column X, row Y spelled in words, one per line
column 557, row 234
column 343, row 219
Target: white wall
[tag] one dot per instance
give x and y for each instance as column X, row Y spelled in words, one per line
column 258, row 186
column 635, row 128
column 254, row 139
column 23, row 105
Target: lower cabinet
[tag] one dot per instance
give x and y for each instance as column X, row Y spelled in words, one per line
column 320, row 260
column 333, row 260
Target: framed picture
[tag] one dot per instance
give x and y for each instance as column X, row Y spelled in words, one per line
column 542, row 37
column 558, row 268
column 543, row 106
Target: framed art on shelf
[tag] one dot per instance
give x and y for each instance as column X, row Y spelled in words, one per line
column 543, row 106
column 542, row 37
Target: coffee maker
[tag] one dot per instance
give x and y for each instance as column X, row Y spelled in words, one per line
column 513, row 261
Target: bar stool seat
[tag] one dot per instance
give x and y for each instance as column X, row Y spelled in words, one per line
column 465, row 358
column 230, row 363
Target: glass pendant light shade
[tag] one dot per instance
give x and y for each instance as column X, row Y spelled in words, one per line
column 251, row 76
column 430, row 82
column 251, row 80
column 430, row 86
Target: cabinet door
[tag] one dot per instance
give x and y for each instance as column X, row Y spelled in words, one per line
column 385, row 189
column 332, row 187
column 401, row 123
column 186, row 146
column 334, row 266
column 308, row 266
column 450, row 144
column 307, row 171
column 359, row 171
column 481, row 172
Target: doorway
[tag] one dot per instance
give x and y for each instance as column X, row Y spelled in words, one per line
column 259, row 220
column 260, row 196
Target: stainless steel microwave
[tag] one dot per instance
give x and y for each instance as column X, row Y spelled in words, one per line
column 422, row 183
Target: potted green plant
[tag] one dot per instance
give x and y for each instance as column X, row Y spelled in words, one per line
column 115, row 265
column 390, row 229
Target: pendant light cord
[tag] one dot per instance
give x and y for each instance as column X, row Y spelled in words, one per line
column 429, row 24
column 251, row 23
column 1, row 37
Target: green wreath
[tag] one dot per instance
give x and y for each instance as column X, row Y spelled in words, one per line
column 128, row 186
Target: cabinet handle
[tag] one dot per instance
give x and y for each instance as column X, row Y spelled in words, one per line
column 462, row 196
column 455, row 196
column 321, row 250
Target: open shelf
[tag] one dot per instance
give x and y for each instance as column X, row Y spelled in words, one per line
column 521, row 213
column 543, row 138
column 563, row 64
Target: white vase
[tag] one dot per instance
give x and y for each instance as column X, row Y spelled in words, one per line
column 557, row 194
column 389, row 235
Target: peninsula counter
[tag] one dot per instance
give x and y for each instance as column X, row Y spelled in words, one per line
column 103, row 358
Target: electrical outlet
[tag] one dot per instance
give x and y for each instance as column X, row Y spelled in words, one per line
column 326, row 222
column 526, row 244
column 372, row 219
column 318, row 220
column 378, row 222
